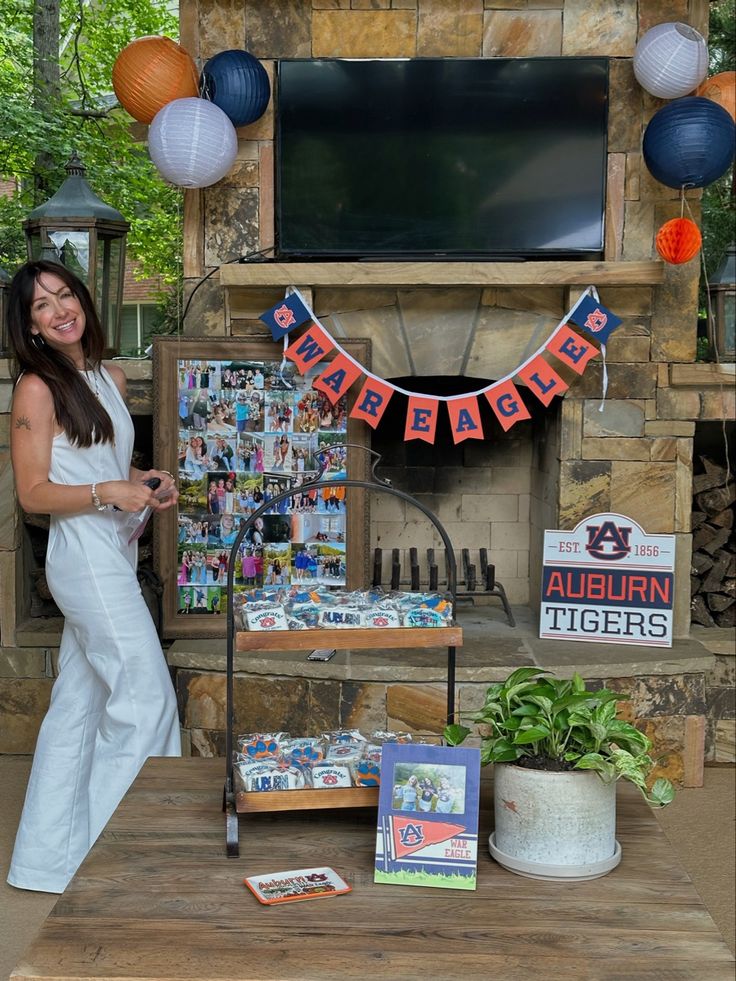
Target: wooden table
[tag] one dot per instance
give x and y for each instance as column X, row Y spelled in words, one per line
column 157, row 899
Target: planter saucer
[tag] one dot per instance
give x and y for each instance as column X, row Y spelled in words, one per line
column 554, row 873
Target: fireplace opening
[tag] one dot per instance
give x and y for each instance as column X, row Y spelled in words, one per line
column 493, row 494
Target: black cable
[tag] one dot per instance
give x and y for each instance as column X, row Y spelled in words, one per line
column 241, row 258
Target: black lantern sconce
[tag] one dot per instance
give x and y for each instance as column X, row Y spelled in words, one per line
column 77, row 229
column 722, row 290
column 4, row 339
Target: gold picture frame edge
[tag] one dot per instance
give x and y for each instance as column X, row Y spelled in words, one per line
column 167, row 350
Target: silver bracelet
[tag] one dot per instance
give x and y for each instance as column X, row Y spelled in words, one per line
column 96, row 500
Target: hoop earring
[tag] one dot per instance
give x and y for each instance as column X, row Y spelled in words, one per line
column 38, row 342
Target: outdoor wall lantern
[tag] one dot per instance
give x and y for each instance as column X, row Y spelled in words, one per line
column 722, row 290
column 4, row 340
column 86, row 235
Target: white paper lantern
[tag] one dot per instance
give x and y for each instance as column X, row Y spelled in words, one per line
column 671, row 60
column 192, row 142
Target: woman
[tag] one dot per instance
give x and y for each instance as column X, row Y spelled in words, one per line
column 112, row 704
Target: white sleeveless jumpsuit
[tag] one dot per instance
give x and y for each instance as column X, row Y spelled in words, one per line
column 113, row 703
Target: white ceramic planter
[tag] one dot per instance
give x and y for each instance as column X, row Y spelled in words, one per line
column 554, row 825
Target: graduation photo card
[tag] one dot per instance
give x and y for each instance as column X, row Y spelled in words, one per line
column 427, row 831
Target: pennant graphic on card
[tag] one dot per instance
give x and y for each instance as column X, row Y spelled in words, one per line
column 411, row 833
column 594, row 318
column 285, row 316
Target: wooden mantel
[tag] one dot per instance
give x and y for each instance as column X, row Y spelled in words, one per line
column 410, row 273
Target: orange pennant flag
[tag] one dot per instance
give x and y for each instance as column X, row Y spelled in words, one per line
column 337, row 377
column 421, row 418
column 543, row 380
column 465, row 418
column 372, row 401
column 507, row 404
column 309, row 348
column 572, row 349
column 411, row 834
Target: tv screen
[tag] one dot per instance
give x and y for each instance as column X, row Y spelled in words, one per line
column 441, row 158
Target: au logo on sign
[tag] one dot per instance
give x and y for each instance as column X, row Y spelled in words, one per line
column 607, row 580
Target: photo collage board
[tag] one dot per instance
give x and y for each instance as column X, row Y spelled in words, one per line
column 248, row 430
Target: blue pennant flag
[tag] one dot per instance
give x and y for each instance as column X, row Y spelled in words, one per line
column 595, row 319
column 285, row 316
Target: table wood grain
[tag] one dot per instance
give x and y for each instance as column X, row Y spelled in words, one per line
column 157, row 899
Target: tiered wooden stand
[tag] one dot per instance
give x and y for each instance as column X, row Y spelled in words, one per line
column 237, row 802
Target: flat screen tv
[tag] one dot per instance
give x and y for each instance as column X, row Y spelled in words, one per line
column 498, row 158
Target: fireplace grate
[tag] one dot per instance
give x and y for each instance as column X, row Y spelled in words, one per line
column 474, row 585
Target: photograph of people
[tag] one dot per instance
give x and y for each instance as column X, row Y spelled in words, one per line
column 431, row 787
column 112, row 704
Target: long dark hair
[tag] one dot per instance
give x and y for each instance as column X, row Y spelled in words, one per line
column 79, row 413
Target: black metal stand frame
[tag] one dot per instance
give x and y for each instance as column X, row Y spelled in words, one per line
column 380, row 485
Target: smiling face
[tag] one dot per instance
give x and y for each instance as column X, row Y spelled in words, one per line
column 57, row 316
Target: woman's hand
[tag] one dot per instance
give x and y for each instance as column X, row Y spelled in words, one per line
column 166, row 493
column 127, row 495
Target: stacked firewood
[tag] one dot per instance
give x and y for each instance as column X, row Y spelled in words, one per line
column 713, row 572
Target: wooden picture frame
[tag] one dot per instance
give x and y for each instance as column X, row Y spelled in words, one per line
column 200, row 386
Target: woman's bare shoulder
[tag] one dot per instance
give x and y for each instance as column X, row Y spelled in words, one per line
column 31, row 390
column 118, row 376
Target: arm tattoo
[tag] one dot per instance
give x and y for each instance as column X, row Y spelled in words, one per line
column 22, row 422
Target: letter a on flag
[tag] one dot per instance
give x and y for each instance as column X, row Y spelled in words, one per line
column 337, row 377
column 285, row 316
column 465, row 418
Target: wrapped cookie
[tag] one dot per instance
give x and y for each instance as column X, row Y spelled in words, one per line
column 340, row 617
column 331, row 776
column 366, row 773
column 265, row 616
column 381, row 616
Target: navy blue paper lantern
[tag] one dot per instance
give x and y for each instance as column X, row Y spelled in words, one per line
column 237, row 83
column 689, row 143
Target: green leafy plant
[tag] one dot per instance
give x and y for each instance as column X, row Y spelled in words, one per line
column 548, row 723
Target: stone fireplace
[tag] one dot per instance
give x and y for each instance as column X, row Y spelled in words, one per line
column 454, row 321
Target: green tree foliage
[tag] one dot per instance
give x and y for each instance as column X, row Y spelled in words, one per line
column 84, row 118
column 719, row 202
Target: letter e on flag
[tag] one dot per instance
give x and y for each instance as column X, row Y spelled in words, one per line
column 421, row 418
column 572, row 349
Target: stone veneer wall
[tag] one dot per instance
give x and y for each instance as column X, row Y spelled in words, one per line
column 635, row 457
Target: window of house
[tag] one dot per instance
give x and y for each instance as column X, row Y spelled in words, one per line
column 136, row 322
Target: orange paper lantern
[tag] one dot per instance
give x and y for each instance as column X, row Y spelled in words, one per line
column 151, row 72
column 678, row 240
column 721, row 89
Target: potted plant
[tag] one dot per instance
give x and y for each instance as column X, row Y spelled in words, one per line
column 558, row 751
